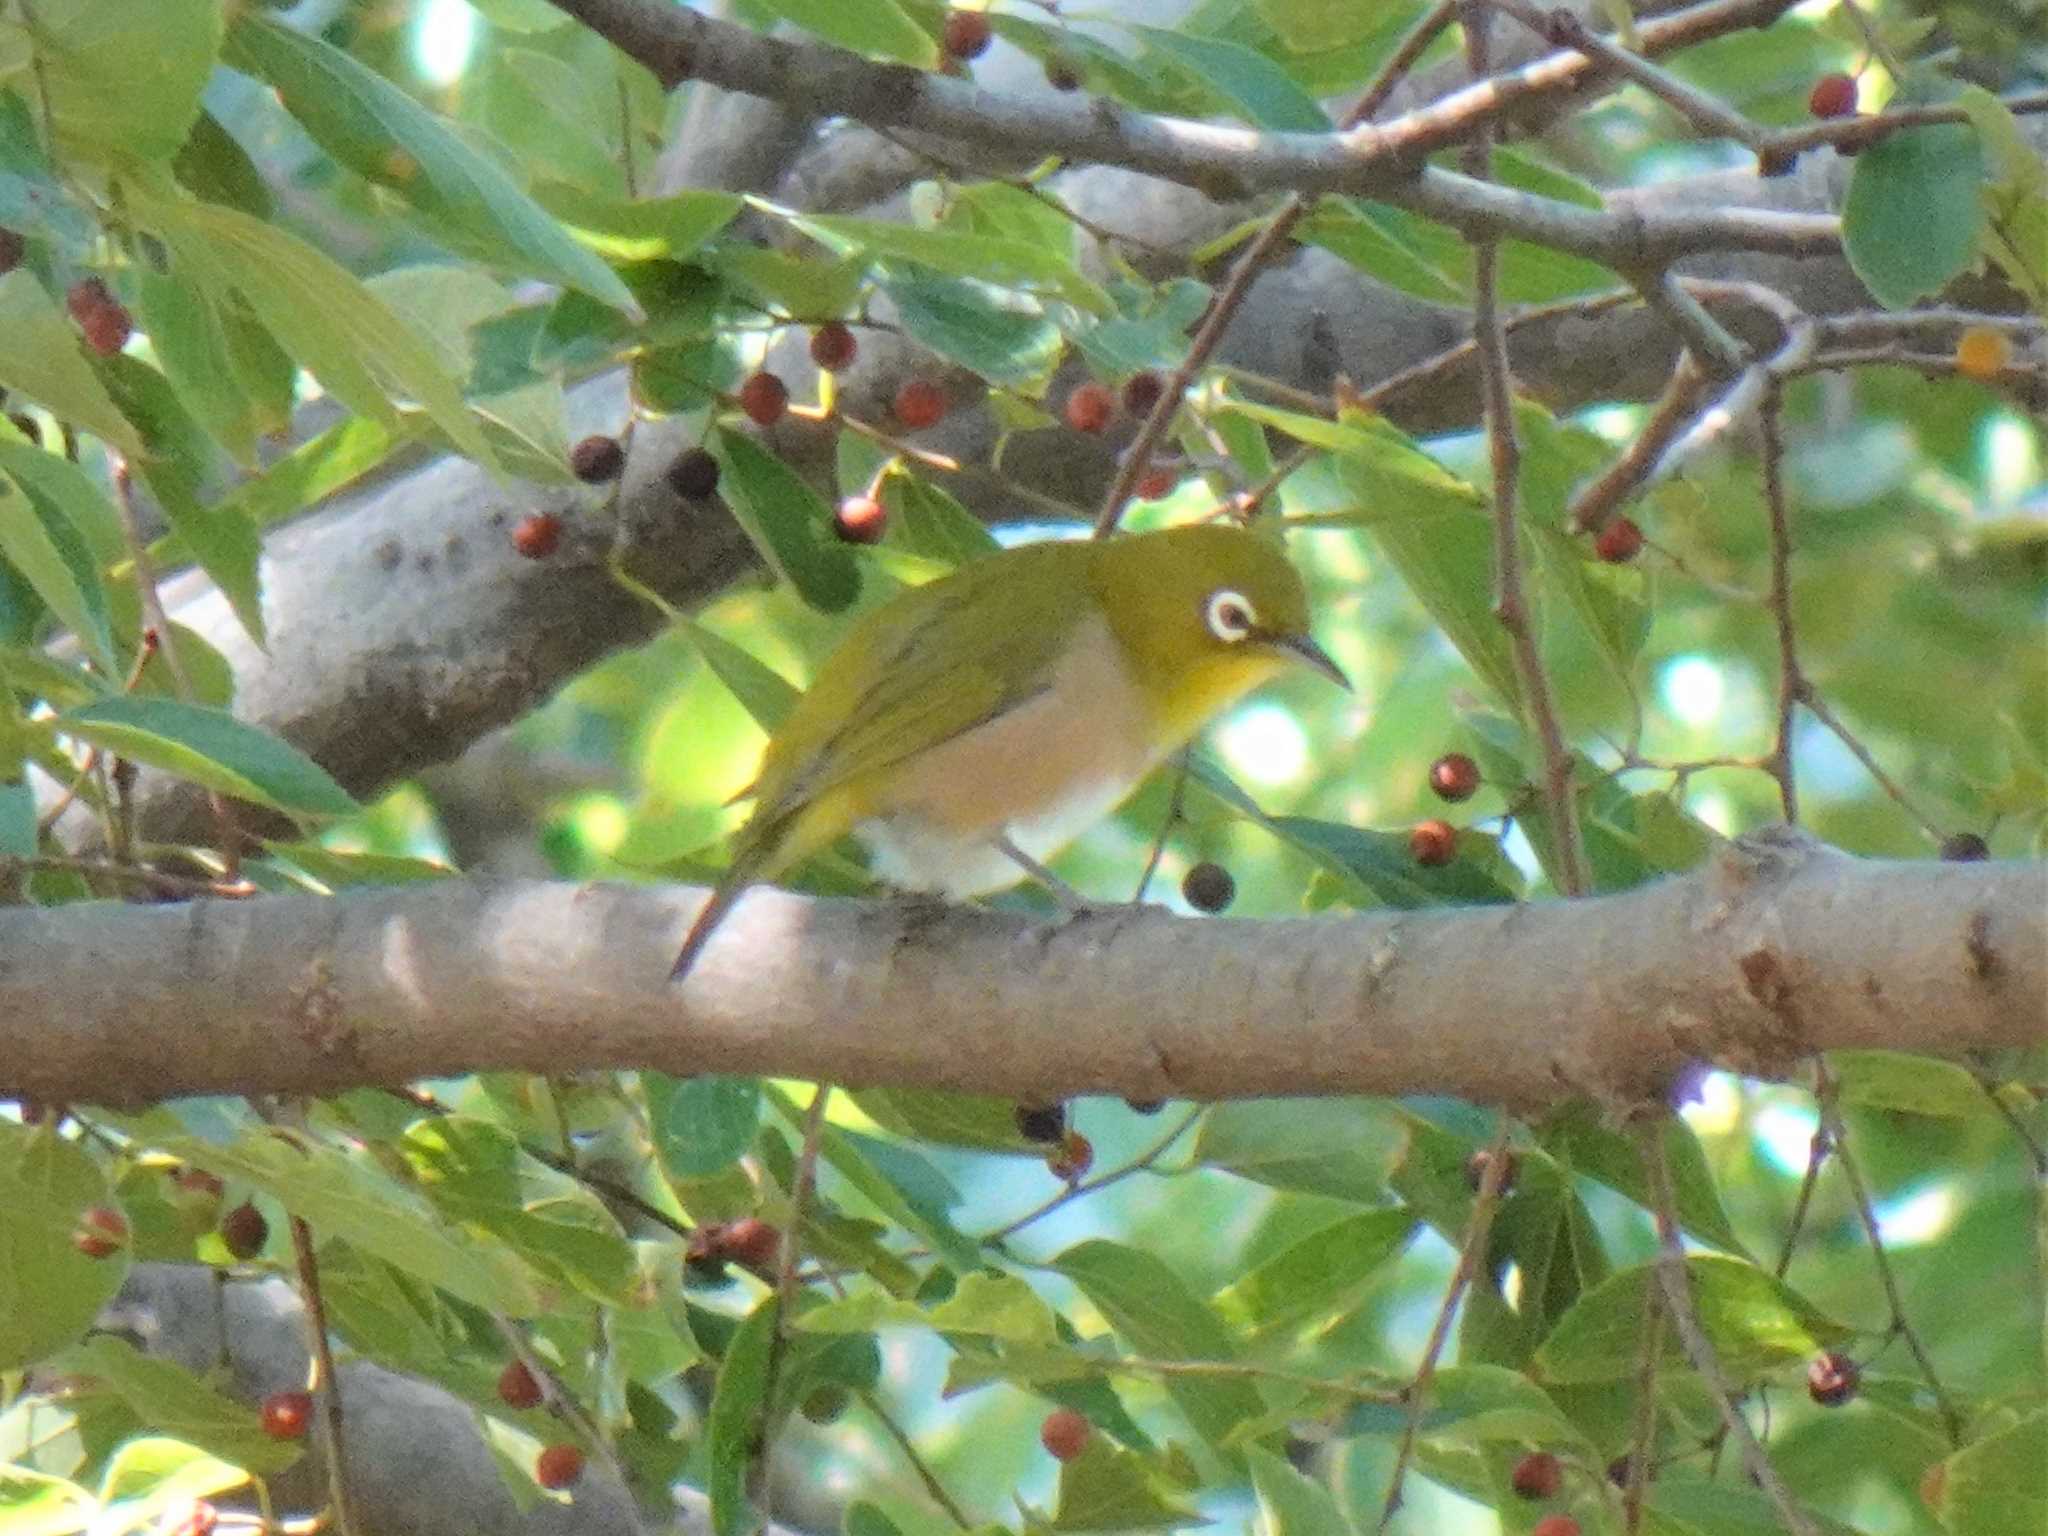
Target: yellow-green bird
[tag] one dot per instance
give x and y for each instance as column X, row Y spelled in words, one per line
column 1002, row 709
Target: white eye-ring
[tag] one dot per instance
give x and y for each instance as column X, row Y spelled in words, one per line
column 1229, row 615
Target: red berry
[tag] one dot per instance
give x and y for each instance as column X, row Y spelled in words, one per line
column 919, row 404
column 1619, row 542
column 764, row 398
column 107, row 329
column 861, row 520
column 13, row 246
column 197, row 1181
column 1555, row 1525
column 558, row 1466
column 243, row 1231
column 87, row 295
column 1157, row 483
column 516, row 1386
column 198, row 1518
column 1072, row 1158
column 1064, row 1433
column 752, row 1242
column 1454, row 777
column 1832, row 96
column 537, row 535
column 967, row 34
column 694, row 474
column 1042, row 1123
column 1090, row 407
column 597, row 459
column 1832, row 1379
column 1142, row 392
column 1537, row 1475
column 287, row 1414
column 101, row 1232
column 1208, row 887
column 1433, row 843
column 1964, row 848
column 833, row 346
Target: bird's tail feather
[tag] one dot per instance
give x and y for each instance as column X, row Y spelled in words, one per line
column 748, row 866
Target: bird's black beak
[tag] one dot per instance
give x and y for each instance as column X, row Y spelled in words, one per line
column 1303, row 648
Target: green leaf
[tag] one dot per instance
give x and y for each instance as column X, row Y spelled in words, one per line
column 737, row 1415
column 478, row 1175
column 34, row 1503
column 213, row 166
column 1290, row 1504
column 1477, row 1405
column 2015, row 195
column 1107, row 1488
column 211, row 748
column 49, row 1291
column 169, row 1398
column 151, row 1476
column 1754, row 1321
column 347, row 1195
column 1385, row 865
column 46, row 547
column 789, row 522
column 1369, row 237
column 1323, row 1275
column 928, row 523
column 334, row 325
column 1013, row 262
column 123, row 76
column 648, row 229
column 980, row 329
column 701, row 1125
column 42, row 361
column 383, row 135
column 1917, row 1085
column 977, row 1121
column 866, row 26
column 1578, row 1139
column 762, row 692
column 1911, row 220
column 1343, row 1148
column 1150, row 1305
column 1999, row 1485
column 191, row 343
column 1263, row 93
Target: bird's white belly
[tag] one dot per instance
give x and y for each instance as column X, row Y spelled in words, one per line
column 1040, row 774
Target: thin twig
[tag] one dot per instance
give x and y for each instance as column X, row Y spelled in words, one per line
column 1139, row 1164
column 1415, row 1395
column 1643, row 1438
column 1592, row 506
column 1791, row 682
column 1699, row 1349
column 1818, row 708
column 139, row 874
column 918, row 1465
column 1827, row 1092
column 792, row 1245
column 323, row 1354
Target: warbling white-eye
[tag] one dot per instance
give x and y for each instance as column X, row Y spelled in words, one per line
column 1006, row 707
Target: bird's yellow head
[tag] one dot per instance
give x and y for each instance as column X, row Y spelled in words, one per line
column 1205, row 614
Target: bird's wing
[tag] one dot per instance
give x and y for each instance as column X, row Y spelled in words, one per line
column 921, row 675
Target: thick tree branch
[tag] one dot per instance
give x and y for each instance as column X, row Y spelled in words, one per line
column 1777, row 948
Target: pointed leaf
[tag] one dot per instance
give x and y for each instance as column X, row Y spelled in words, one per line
column 788, row 521
column 41, row 359
column 210, row 747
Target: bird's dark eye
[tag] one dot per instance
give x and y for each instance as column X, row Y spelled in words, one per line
column 1229, row 615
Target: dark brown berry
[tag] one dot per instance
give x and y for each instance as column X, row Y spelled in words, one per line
column 1090, row 407
column 1454, row 777
column 693, row 474
column 1475, row 1171
column 1619, row 542
column 1433, row 843
column 1157, row 483
column 107, row 329
column 1061, row 75
column 1064, row 1434
column 752, row 1242
column 13, row 246
column 825, row 1404
column 597, row 459
column 1142, row 392
column 1964, row 848
column 860, row 520
column 1042, row 1123
column 517, row 1387
column 919, row 404
column 243, row 1231
column 101, row 1232
column 833, row 346
column 197, row 1181
column 557, row 1466
column 86, row 296
column 1144, row 1106
column 967, row 34
column 1555, row 1525
column 1537, row 1475
column 1208, row 887
column 287, row 1415
column 1832, row 96
column 704, row 1255
column 1831, row 1379
column 764, row 397
column 537, row 535
column 1072, row 1158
